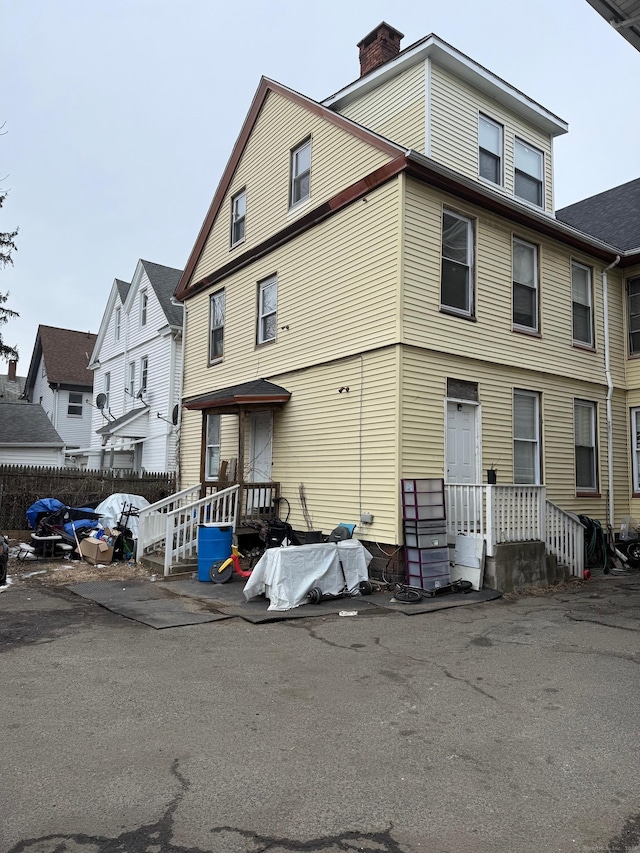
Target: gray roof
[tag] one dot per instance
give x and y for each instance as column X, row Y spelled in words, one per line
column 112, row 425
column 123, row 289
column 27, row 424
column 623, row 15
column 11, row 392
column 612, row 216
column 164, row 281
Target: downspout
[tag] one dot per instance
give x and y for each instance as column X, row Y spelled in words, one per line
column 607, row 370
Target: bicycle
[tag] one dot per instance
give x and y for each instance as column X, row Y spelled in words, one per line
column 413, row 594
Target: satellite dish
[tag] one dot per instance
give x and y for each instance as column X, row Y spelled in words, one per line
column 101, row 400
column 174, row 414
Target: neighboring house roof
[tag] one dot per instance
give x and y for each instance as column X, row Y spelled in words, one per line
column 257, row 391
column 11, row 391
column 623, row 15
column 113, row 426
column 164, row 281
column 27, row 424
column 612, row 216
column 66, row 355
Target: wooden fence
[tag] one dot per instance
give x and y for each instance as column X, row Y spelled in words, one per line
column 22, row 485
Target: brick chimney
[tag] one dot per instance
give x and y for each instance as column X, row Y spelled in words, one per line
column 381, row 45
column 13, row 365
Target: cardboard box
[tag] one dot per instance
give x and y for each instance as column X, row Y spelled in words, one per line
column 96, row 551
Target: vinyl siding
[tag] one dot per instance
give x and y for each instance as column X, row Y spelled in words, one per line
column 75, row 431
column 491, row 337
column 338, row 159
column 423, row 418
column 51, row 457
column 396, row 109
column 632, row 365
column 454, row 130
column 337, row 295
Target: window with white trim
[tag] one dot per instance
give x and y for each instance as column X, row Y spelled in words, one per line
column 300, row 173
column 584, row 425
column 74, row 406
column 529, row 173
column 526, row 437
column 212, row 453
column 633, row 314
column 131, row 383
column 216, row 326
column 490, row 136
column 267, row 309
column 582, row 297
column 106, row 389
column 635, row 448
column 238, row 216
column 116, row 323
column 456, row 282
column 144, row 304
column 144, row 372
column 525, row 285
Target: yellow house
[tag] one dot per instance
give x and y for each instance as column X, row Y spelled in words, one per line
column 381, row 290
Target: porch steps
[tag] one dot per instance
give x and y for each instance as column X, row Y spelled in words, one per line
column 155, row 562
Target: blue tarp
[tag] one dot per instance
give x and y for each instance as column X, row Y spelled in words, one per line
column 42, row 507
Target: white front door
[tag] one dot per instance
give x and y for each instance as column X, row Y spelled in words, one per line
column 259, row 471
column 462, row 466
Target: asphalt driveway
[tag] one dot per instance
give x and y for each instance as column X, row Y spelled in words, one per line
column 506, row 726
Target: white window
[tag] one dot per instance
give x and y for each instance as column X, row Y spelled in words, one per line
column 582, row 300
column 216, row 321
column 635, row 448
column 131, row 384
column 212, row 458
column 267, row 307
column 238, row 215
column 584, row 419
column 525, row 285
column 144, row 372
column 74, row 407
column 490, row 137
column 456, row 283
column 529, row 172
column 144, row 302
column 300, row 173
column 633, row 314
column 116, row 325
column 526, row 437
column 107, row 389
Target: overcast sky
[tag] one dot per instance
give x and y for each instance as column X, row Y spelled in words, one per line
column 120, row 117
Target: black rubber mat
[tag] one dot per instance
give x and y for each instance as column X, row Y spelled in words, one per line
column 229, row 598
column 148, row 603
column 438, row 602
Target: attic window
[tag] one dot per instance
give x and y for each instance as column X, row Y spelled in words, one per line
column 238, row 216
column 116, row 330
column 144, row 301
column 300, row 172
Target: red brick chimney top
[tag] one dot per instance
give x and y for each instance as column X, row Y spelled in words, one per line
column 381, row 45
column 13, row 365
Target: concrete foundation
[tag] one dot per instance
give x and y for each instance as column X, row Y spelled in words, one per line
column 518, row 565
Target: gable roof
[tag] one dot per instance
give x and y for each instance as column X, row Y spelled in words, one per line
column 265, row 87
column 164, row 281
column 612, row 216
column 111, row 427
column 27, row 424
column 66, row 355
column 122, row 288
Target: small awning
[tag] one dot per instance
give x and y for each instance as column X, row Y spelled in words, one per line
column 123, row 426
column 258, row 392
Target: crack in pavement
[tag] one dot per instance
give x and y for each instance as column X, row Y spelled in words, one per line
column 601, row 622
column 629, row 837
column 364, row 842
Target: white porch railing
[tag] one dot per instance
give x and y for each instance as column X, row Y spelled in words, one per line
column 565, row 539
column 152, row 519
column 176, row 529
column 515, row 514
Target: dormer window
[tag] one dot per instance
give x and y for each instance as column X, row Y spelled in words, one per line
column 490, row 136
column 144, row 302
column 300, row 173
column 529, row 172
column 238, row 215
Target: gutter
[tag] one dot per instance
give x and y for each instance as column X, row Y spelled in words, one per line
column 607, row 370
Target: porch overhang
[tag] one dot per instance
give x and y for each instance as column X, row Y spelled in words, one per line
column 123, row 427
column 258, row 394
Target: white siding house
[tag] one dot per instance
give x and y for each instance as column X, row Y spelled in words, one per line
column 137, row 365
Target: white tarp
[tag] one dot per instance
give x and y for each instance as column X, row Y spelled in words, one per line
column 285, row 575
column 111, row 509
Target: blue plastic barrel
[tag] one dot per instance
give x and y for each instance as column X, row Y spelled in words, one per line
column 214, row 543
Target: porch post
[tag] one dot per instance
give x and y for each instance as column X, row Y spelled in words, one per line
column 542, row 512
column 491, row 521
column 241, row 439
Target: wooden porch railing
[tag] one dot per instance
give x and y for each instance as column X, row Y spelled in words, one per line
column 512, row 513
